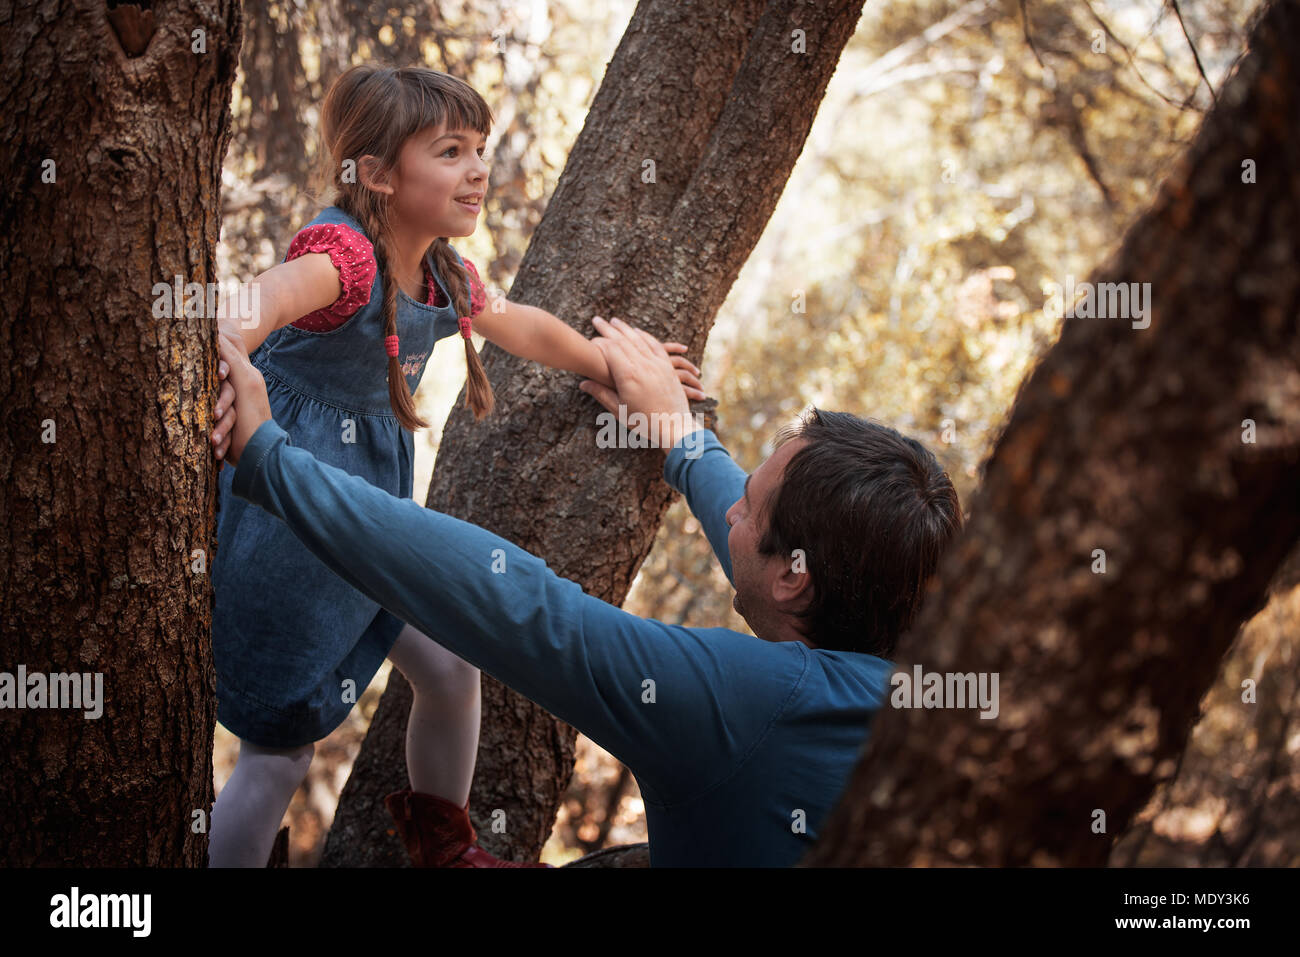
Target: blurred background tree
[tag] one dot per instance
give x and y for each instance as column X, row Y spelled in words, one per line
column 1132, row 514
column 966, row 154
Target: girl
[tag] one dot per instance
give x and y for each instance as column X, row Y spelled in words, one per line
column 346, row 325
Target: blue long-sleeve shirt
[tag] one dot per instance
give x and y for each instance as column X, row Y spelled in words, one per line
column 740, row 746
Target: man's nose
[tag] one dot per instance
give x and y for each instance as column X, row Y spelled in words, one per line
column 731, row 511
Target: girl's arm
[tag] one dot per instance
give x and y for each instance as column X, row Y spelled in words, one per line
column 287, row 292
column 532, row 333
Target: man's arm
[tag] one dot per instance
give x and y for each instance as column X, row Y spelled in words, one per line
column 504, row 611
column 697, row 464
column 702, row 470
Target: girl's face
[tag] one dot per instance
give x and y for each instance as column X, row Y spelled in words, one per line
column 440, row 181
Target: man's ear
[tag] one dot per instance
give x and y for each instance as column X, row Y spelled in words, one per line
column 372, row 177
column 792, row 589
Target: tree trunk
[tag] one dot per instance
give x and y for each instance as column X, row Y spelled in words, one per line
column 618, row 856
column 1235, row 801
column 1132, row 441
column 687, row 147
column 113, row 139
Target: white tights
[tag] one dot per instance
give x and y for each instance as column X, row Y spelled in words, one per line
column 441, row 746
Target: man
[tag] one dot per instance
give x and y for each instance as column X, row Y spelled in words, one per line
column 740, row 745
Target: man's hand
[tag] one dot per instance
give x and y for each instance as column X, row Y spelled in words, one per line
column 250, row 406
column 645, row 380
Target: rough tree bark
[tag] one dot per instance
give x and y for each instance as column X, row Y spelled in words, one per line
column 113, row 132
column 1128, row 440
column 689, row 142
column 1235, row 801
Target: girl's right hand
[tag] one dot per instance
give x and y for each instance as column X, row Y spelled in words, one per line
column 251, row 405
column 224, row 414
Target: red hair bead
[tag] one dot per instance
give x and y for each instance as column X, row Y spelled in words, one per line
column 465, row 323
column 391, row 343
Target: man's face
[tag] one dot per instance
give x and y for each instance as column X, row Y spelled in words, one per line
column 754, row 573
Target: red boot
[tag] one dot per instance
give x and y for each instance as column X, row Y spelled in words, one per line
column 437, row 833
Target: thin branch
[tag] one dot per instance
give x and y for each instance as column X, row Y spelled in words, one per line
column 1132, row 61
column 1024, row 20
column 917, row 71
column 1195, row 55
column 924, row 41
column 1079, row 140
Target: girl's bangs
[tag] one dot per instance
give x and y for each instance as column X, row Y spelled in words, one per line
column 461, row 108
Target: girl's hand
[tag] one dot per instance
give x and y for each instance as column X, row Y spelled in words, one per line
column 645, row 382
column 225, row 413
column 688, row 373
column 250, row 399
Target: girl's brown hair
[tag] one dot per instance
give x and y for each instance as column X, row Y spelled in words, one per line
column 374, row 110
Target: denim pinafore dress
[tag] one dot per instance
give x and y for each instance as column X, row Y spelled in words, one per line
column 294, row 645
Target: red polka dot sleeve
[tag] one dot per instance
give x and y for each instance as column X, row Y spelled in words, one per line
column 354, row 258
column 477, row 291
column 477, row 294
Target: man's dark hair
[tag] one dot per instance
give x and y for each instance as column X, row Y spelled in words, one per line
column 872, row 511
